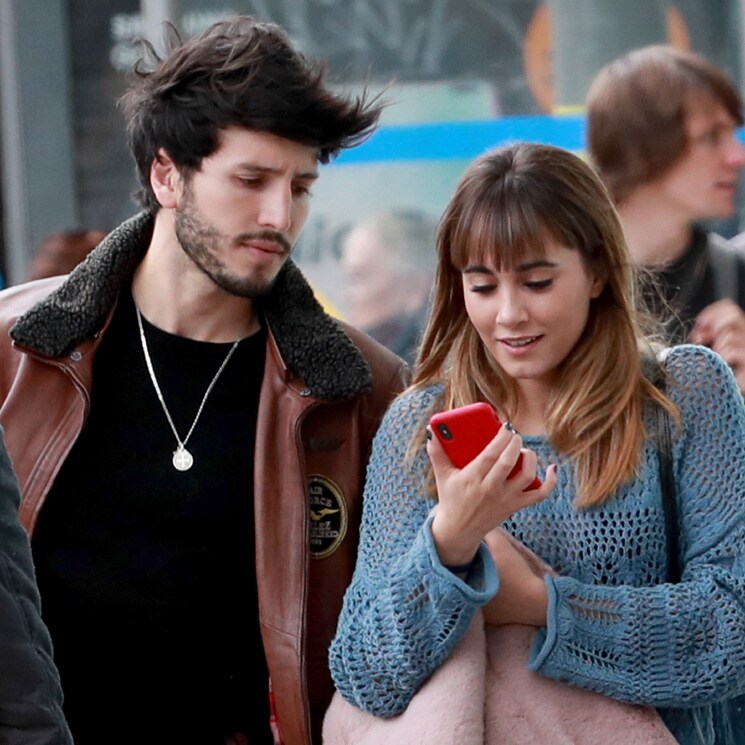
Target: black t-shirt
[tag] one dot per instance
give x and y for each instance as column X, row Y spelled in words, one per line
column 147, row 574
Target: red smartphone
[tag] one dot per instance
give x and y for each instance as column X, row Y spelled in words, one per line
column 464, row 432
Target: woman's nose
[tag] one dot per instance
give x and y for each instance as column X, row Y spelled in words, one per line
column 511, row 311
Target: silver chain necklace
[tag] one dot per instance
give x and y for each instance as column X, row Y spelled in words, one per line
column 182, row 459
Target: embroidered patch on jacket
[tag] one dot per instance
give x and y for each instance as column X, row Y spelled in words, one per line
column 328, row 516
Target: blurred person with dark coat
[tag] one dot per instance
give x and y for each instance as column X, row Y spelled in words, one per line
column 30, row 691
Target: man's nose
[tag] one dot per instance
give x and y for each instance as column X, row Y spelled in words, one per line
column 276, row 209
column 736, row 152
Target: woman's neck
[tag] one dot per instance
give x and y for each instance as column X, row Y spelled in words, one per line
column 532, row 403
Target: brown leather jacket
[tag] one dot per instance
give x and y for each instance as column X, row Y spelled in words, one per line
column 325, row 388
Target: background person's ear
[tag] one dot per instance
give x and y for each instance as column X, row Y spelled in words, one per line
column 164, row 180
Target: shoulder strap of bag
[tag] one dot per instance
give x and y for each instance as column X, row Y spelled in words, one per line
column 723, row 259
column 667, row 481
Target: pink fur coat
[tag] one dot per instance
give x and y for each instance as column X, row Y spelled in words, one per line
column 485, row 695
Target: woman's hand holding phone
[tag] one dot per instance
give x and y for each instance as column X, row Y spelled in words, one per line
column 481, row 495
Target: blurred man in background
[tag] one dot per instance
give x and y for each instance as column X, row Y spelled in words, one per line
column 662, row 132
column 389, row 264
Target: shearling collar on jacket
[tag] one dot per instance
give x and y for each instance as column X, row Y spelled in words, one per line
column 312, row 344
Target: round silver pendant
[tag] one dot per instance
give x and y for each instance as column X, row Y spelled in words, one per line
column 182, row 459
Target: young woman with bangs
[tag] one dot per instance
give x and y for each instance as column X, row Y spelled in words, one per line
column 534, row 313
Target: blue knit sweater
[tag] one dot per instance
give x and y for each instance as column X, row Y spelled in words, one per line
column 613, row 625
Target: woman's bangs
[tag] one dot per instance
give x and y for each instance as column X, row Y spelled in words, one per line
column 497, row 235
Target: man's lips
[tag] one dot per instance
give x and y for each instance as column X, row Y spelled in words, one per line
column 268, row 241
column 271, row 247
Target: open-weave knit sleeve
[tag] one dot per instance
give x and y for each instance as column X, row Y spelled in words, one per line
column 403, row 612
column 667, row 645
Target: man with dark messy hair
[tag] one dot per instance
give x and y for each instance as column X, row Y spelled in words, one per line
column 189, row 428
column 241, row 75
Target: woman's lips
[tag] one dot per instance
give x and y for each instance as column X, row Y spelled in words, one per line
column 519, row 344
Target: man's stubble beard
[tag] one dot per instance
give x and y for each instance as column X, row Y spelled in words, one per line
column 201, row 241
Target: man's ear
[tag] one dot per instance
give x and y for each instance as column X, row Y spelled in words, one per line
column 164, row 180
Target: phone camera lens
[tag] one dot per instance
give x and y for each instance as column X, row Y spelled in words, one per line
column 444, row 431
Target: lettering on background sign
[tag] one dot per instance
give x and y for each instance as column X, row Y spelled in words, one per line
column 126, row 28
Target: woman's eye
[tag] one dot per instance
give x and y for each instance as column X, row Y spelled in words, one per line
column 482, row 288
column 539, row 284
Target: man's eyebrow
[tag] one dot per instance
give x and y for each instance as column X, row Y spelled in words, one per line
column 526, row 267
column 306, row 175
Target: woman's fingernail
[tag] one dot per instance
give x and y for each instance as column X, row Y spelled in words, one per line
column 429, row 433
column 509, row 426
